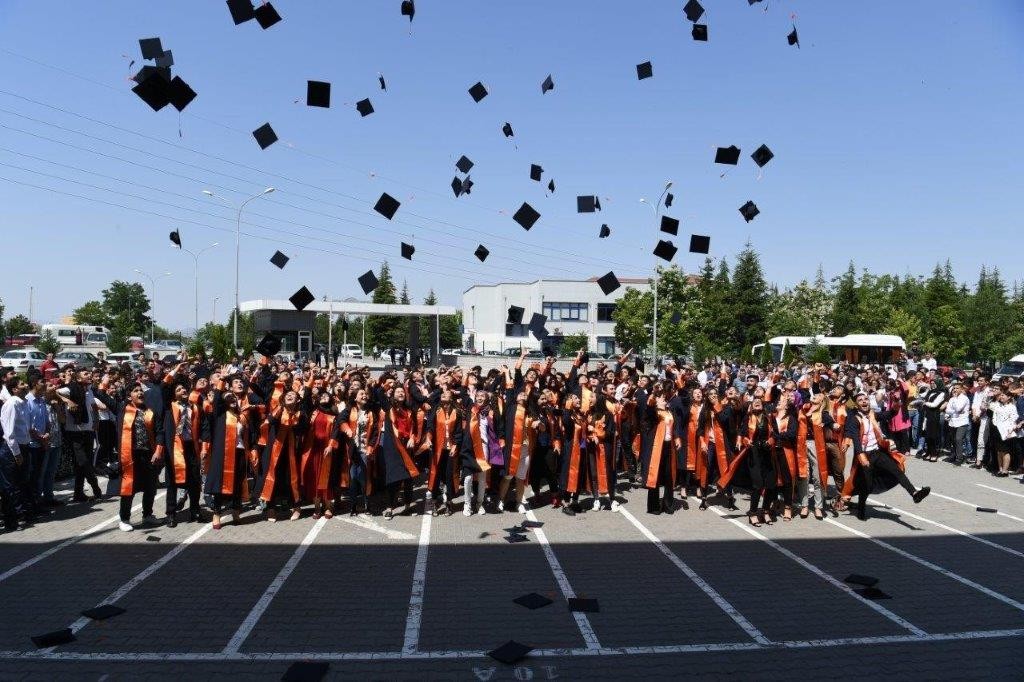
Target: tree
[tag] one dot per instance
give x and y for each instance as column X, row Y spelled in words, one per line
column 92, row 313
column 19, row 324
column 766, row 358
column 815, row 351
column 451, row 330
column 48, row 343
column 246, row 331
column 845, row 302
column 127, row 300
column 749, row 299
column 903, row 324
column 383, row 331
column 987, row 317
column 573, row 343
column 946, row 337
column 633, row 316
column 787, row 353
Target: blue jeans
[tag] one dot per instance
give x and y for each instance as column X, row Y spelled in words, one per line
column 49, row 472
column 916, row 437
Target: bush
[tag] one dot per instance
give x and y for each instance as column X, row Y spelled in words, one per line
column 48, row 343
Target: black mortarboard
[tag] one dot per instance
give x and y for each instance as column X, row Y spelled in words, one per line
column 586, row 204
column 513, row 538
column 668, row 200
column 699, row 243
column 536, row 327
column 478, row 91
column 383, row 85
column 306, row 671
column 364, row 107
column 526, row 216
column 515, row 315
column 266, row 15
column 464, row 164
column 408, row 9
column 532, row 601
column 147, row 71
column 510, row 652
column 609, row 283
column 103, row 612
column 180, row 94
column 728, row 155
column 873, row 593
column 551, row 186
column 54, row 638
column 368, row 281
column 318, row 94
column 762, row 155
column 644, row 70
column 700, row 32
column 584, row 605
column 665, row 250
column 793, row 38
column 265, row 136
column 241, row 11
column 507, row 129
column 279, row 259
column 988, row 510
column 548, row 84
column 481, row 253
column 407, row 251
column 694, row 10
column 605, row 232
column 175, row 237
column 533, row 524
column 535, row 172
column 151, row 48
column 154, row 91
column 387, row 205
column 676, row 318
column 865, row 580
column 269, row 346
column 457, row 186
column 669, row 225
column 749, row 211
column 166, row 60
column 301, row 298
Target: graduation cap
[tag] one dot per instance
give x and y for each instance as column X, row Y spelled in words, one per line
column 513, row 538
column 694, row 10
column 507, row 129
column 175, row 237
column 699, row 243
column 533, row 524
column 762, row 155
column 793, row 38
column 857, row 579
column 241, row 11
column 532, row 601
column 266, row 15
column 387, row 205
column 407, row 251
column 535, row 172
column 151, row 48
column 551, row 186
column 481, row 253
column 408, row 9
column 383, row 85
column 988, row 510
column 605, row 232
column 478, row 91
column 154, row 90
column 457, row 187
column 587, row 204
column 728, row 155
column 548, row 84
column 669, row 224
column 676, row 318
column 668, row 200
column 265, row 136
column 515, row 315
column 368, row 281
column 103, row 612
column 180, row 94
column 166, row 60
column 467, row 186
column 279, row 259
column 644, row 70
column 608, row 283
column 526, row 216
column 464, row 164
column 306, row 671
column 269, row 345
column 510, row 652
column 749, row 211
column 584, row 605
column 873, row 593
column 318, row 94
column 301, row 298
column 364, row 107
column 700, row 32
column 65, row 636
column 536, row 327
column 665, row 250
column 147, row 71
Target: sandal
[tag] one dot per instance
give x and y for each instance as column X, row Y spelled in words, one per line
column 787, row 514
column 818, row 515
column 388, row 513
column 328, row 514
column 296, row 515
column 753, row 520
column 804, row 512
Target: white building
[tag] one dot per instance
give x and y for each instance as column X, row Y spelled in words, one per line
column 571, row 306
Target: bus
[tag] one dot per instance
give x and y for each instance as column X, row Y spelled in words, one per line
column 855, row 349
column 78, row 334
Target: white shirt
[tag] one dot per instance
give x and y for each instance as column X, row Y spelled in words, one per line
column 14, row 420
column 868, row 440
column 930, row 364
column 1004, row 418
column 980, row 405
column 958, row 411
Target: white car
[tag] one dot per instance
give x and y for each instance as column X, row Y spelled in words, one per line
column 351, row 350
column 21, row 360
column 118, row 358
column 81, row 359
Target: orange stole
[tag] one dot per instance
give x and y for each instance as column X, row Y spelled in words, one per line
column 787, row 450
column 516, row 451
column 125, row 454
column 665, row 421
column 323, row 421
column 883, row 445
column 231, row 425
column 350, row 428
column 600, row 461
column 178, row 450
column 818, row 433
column 284, row 440
column 443, row 425
column 407, row 462
column 691, row 439
column 573, row 479
column 478, row 445
column 720, row 456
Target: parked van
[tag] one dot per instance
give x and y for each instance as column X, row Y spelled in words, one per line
column 1013, row 368
column 78, row 335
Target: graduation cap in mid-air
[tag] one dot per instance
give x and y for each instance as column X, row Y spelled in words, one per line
column 166, row 60
column 175, row 237
column 364, row 107
column 587, row 204
column 279, row 259
column 749, row 211
column 265, row 136
column 608, row 283
column 507, row 129
column 669, row 224
column 526, row 216
column 318, row 94
column 762, row 155
column 551, row 186
column 728, row 155
column 457, row 186
column 478, row 91
column 665, row 250
column 151, row 48
column 146, row 71
column 694, row 10
column 644, row 70
column 179, row 93
column 383, row 85
column 241, row 11
column 510, row 653
column 408, row 9
column 604, row 232
column 154, row 90
column 266, row 16
column 699, row 32
column 387, row 205
column 269, row 345
column 535, row 172
column 793, row 38
column 301, row 298
column 668, row 200
column 464, row 164
column 515, row 315
column 306, row 671
column 481, row 253
column 548, row 84
column 368, row 281
column 407, row 251
column 537, row 326
column 863, row 580
column 699, row 243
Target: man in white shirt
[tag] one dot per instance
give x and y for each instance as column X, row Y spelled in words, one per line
column 982, row 418
column 78, row 428
column 958, row 416
column 929, row 362
column 14, row 423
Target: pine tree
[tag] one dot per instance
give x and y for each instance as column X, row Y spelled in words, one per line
column 767, row 357
column 749, row 300
column 383, row 331
column 845, row 303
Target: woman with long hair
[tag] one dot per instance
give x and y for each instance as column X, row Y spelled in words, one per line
column 934, row 401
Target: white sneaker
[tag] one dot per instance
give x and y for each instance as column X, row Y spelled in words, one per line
column 615, row 505
column 522, row 509
column 126, row 527
column 467, row 510
column 596, row 506
column 501, row 506
column 481, row 511
column 151, row 520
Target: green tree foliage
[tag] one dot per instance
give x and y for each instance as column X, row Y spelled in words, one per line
column 787, row 353
column 749, row 300
column 904, row 324
column 383, row 331
column 19, row 324
column 451, row 336
column 817, row 352
column 92, row 313
column 766, row 358
column 845, row 303
column 128, row 301
column 634, row 314
column 573, row 343
column 48, row 343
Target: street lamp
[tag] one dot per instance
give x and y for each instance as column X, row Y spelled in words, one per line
column 195, row 279
column 238, row 247
column 213, row 318
column 657, row 214
column 152, row 293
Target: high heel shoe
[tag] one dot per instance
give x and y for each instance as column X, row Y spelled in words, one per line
column 703, row 504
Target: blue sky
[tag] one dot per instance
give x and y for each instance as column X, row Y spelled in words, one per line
column 896, row 130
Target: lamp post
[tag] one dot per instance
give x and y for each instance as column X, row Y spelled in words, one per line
column 657, row 214
column 238, row 248
column 152, row 294
column 213, row 318
column 195, row 279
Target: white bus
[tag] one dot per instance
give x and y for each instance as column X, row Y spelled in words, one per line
column 78, row 334
column 856, row 349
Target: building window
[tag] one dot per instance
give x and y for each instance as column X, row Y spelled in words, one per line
column 606, row 345
column 566, row 312
column 517, row 330
column 605, row 311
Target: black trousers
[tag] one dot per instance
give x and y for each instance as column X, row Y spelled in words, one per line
column 882, row 462
column 145, row 475
column 105, row 433
column 192, row 484
column 235, row 499
column 663, row 492
column 392, row 492
column 81, row 447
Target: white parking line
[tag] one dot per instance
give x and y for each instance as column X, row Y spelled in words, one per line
column 956, row 531
column 935, row 567
column 368, row 524
column 268, row 595
column 999, row 490
column 721, row 601
column 419, row 583
column 899, row 620
column 582, row 622
column 70, row 541
column 971, row 504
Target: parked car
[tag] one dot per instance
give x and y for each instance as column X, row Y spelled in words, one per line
column 118, row 358
column 453, row 351
column 22, row 340
column 21, row 360
column 80, row 359
column 351, row 350
column 165, row 345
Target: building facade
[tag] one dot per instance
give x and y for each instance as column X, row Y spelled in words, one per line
column 571, row 306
